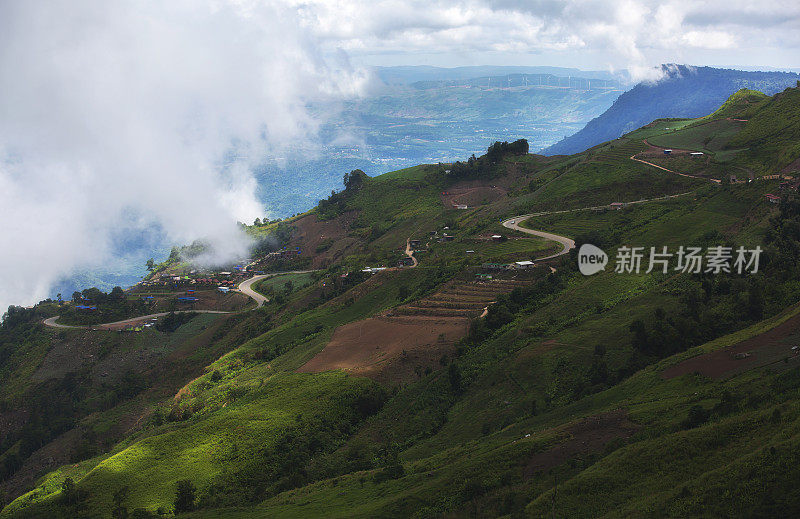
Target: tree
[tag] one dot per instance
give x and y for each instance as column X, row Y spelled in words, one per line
column 185, row 496
column 151, row 265
column 454, row 375
column 76, row 296
column 120, row 511
column 257, row 222
column 402, row 292
column 354, row 180
column 640, row 338
column 68, row 492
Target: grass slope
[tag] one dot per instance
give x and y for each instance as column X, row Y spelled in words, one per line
column 554, row 404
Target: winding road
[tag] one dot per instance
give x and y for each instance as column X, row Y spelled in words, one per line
column 245, row 287
column 567, row 243
column 51, row 321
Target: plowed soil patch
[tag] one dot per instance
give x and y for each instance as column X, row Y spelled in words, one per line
column 472, row 196
column 584, row 437
column 769, row 347
column 387, row 349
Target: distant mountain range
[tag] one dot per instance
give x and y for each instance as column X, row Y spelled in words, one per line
column 525, row 80
column 412, row 74
column 683, row 92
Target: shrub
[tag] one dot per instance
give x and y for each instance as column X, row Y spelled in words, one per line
column 185, row 496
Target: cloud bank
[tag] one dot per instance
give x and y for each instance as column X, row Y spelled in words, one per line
column 599, row 34
column 143, row 115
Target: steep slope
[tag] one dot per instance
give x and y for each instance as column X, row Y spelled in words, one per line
column 684, row 92
column 572, row 396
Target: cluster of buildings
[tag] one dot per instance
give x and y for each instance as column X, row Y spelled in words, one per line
column 786, row 187
column 200, row 279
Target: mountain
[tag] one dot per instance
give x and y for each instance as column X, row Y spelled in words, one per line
column 405, row 75
column 414, row 364
column 684, row 91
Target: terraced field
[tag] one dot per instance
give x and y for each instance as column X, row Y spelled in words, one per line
column 400, row 343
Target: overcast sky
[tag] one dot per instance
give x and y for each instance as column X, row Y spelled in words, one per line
column 591, row 34
column 126, row 113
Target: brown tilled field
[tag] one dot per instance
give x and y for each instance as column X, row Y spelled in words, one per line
column 772, row 346
column 472, row 193
column 587, row 436
column 311, row 232
column 395, row 346
column 387, row 349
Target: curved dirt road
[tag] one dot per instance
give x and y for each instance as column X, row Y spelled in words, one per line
column 633, row 157
column 51, row 321
column 244, row 287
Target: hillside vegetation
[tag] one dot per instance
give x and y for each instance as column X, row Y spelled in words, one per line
column 524, row 393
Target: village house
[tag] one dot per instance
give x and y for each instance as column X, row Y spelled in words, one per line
column 773, row 199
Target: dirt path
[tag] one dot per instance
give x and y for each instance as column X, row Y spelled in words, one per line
column 410, row 253
column 633, row 157
column 133, row 320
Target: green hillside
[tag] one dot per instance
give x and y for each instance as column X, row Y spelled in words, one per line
column 453, row 388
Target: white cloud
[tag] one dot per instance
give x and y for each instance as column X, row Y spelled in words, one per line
column 110, row 109
column 634, row 34
column 709, row 39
